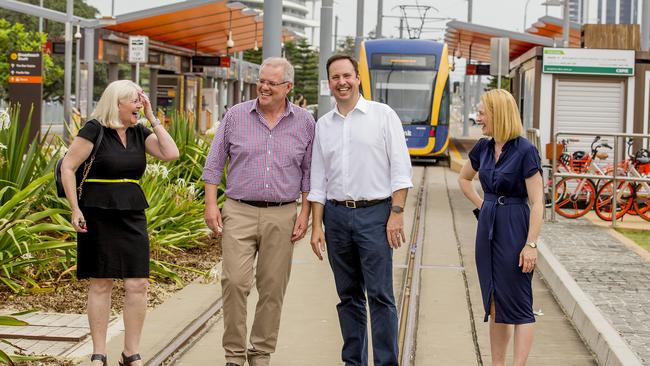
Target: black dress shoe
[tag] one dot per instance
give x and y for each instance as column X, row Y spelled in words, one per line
column 231, row 364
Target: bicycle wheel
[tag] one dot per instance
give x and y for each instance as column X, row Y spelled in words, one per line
column 642, row 202
column 548, row 202
column 574, row 197
column 624, row 200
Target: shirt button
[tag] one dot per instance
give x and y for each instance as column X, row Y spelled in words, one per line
column 267, row 186
column 267, row 168
column 269, row 152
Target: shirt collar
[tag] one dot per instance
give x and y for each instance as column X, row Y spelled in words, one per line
column 362, row 105
column 289, row 107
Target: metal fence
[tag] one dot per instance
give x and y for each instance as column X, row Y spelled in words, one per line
column 614, row 177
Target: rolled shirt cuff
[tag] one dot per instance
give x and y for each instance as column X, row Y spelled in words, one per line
column 212, row 178
column 401, row 184
column 315, row 196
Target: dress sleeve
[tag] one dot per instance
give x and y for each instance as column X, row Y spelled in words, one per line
column 475, row 154
column 90, row 131
column 531, row 162
column 145, row 131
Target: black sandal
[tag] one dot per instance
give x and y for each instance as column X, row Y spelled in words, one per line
column 127, row 361
column 98, row 357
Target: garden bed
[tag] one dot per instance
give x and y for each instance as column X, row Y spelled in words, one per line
column 69, row 296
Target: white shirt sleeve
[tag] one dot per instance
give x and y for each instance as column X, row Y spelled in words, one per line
column 398, row 153
column 317, row 193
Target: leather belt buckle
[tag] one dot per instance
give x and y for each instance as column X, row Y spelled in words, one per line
column 501, row 200
column 350, row 204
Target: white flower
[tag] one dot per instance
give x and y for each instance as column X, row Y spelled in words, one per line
column 2, row 146
column 5, row 121
column 157, row 170
column 191, row 189
column 181, row 182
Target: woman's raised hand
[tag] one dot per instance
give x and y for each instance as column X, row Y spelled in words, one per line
column 146, row 103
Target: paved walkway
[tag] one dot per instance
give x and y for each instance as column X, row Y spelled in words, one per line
column 615, row 278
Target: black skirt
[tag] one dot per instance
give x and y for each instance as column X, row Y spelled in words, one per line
column 115, row 246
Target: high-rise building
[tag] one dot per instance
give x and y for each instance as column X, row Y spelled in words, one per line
column 618, row 11
column 578, row 11
column 294, row 14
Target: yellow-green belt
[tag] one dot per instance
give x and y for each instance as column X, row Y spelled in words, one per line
column 121, row 180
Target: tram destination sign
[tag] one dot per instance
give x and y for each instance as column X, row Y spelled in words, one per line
column 588, row 61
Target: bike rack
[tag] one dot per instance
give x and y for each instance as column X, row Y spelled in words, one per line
column 613, row 177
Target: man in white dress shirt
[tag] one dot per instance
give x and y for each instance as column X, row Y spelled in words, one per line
column 360, row 175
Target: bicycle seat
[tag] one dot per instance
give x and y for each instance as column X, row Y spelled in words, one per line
column 602, row 155
column 642, row 156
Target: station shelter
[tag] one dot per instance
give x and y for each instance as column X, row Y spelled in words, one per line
column 578, row 89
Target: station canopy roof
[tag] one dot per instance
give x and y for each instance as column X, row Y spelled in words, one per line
column 472, row 41
column 552, row 27
column 200, row 25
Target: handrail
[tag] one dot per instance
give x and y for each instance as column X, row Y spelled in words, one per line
column 613, row 177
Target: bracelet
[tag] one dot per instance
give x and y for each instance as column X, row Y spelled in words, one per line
column 155, row 123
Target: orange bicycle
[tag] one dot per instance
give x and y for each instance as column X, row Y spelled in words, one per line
column 631, row 197
column 574, row 197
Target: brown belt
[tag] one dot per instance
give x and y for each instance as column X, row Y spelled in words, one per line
column 265, row 203
column 358, row 204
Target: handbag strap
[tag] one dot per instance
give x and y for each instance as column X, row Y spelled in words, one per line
column 89, row 164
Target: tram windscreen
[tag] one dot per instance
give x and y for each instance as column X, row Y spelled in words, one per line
column 404, row 82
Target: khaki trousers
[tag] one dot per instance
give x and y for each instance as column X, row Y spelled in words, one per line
column 248, row 232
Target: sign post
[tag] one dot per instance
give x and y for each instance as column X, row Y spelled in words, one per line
column 26, row 87
column 138, row 53
column 500, row 57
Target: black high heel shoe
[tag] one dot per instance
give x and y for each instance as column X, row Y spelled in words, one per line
column 127, row 361
column 98, row 357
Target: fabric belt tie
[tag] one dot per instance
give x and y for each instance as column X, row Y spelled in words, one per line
column 265, row 204
column 496, row 201
column 121, row 180
column 358, row 204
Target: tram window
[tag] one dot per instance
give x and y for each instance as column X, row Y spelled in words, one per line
column 408, row 92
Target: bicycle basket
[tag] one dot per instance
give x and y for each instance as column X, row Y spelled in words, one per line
column 579, row 162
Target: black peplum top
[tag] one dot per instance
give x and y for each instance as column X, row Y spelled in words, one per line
column 115, row 161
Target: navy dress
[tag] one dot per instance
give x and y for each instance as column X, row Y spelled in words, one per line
column 503, row 227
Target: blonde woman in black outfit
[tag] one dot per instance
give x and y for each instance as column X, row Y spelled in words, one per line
column 112, row 238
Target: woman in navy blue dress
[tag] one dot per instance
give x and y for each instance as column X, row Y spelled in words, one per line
column 509, row 222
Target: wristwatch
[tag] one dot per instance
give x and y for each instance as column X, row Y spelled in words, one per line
column 397, row 209
column 532, row 244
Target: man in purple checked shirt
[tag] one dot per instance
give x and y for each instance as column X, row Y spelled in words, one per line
column 268, row 143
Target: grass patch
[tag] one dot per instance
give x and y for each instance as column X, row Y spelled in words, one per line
column 641, row 237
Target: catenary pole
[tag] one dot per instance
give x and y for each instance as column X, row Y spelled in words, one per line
column 326, row 11
column 272, row 44
column 466, row 93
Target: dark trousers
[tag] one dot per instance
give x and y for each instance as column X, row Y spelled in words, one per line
column 362, row 261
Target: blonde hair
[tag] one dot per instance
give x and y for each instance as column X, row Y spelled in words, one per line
column 107, row 111
column 501, row 108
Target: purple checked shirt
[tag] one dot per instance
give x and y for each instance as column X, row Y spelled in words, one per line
column 265, row 164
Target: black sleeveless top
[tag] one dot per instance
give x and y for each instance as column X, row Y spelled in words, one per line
column 114, row 161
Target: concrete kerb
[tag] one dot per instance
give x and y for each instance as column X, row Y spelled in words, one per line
column 596, row 331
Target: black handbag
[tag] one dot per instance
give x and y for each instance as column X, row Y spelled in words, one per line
column 87, row 164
